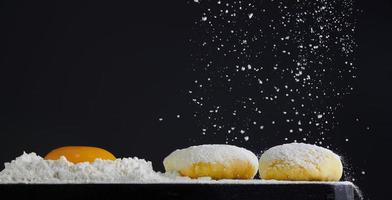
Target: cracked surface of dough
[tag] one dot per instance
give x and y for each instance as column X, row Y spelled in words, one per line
column 300, row 162
column 215, row 161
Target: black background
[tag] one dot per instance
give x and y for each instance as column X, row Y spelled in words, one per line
column 101, row 74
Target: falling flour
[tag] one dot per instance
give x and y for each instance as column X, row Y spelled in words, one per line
column 262, row 67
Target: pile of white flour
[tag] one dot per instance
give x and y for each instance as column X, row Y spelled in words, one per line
column 31, row 168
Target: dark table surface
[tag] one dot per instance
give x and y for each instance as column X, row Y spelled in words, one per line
column 304, row 191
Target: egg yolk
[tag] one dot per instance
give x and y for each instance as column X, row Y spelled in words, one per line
column 78, row 154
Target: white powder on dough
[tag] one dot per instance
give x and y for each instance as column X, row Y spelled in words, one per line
column 306, row 155
column 183, row 158
column 31, row 168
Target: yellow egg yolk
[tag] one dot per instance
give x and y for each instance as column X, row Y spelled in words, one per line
column 78, row 154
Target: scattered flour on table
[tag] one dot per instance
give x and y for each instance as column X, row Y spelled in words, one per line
column 31, row 168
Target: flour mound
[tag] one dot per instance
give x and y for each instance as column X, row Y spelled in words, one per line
column 31, row 168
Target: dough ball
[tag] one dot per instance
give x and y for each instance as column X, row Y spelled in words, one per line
column 216, row 161
column 300, row 162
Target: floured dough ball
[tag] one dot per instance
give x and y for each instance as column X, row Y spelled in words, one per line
column 300, row 162
column 216, row 161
